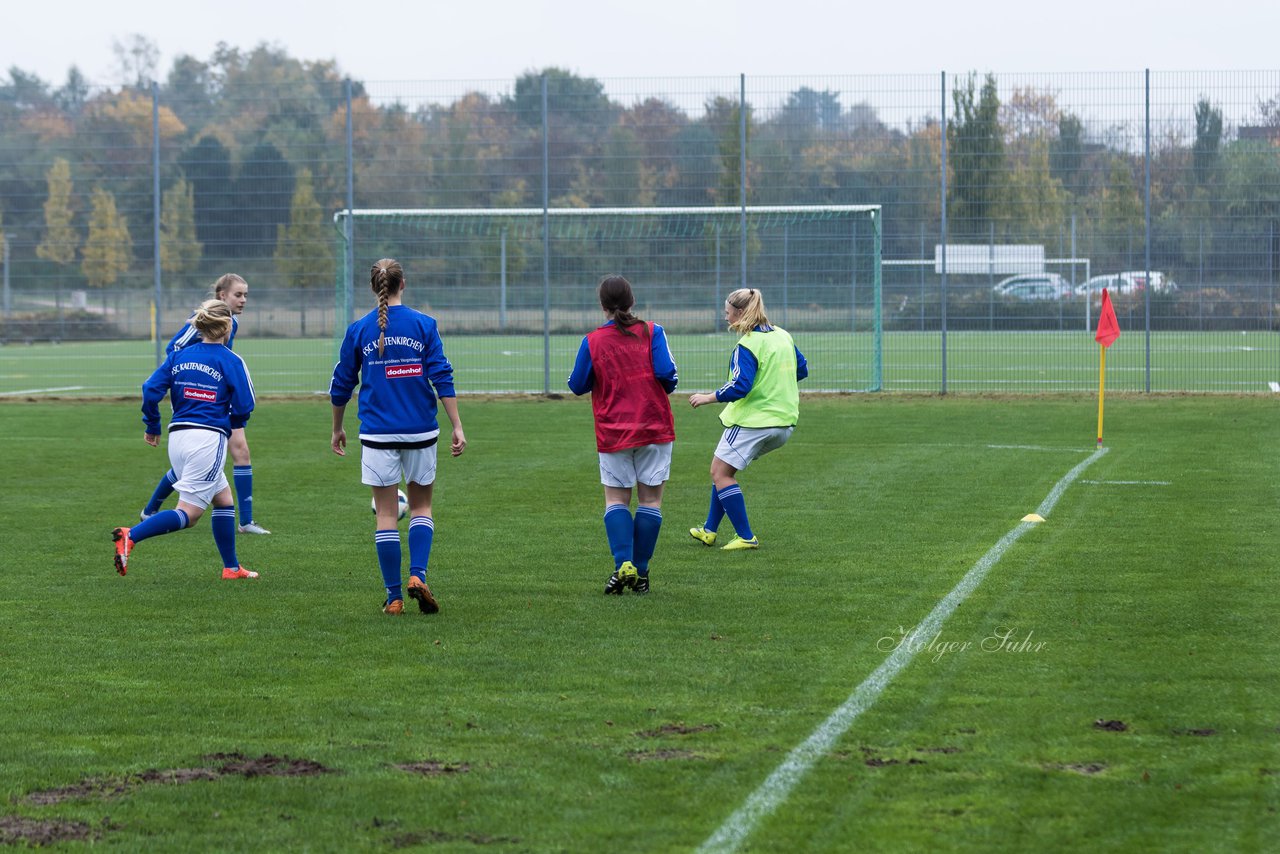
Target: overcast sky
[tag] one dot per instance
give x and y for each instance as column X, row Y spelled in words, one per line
column 380, row 40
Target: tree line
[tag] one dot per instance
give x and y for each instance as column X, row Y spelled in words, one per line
column 253, row 161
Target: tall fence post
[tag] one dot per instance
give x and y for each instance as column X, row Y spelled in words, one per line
column 877, row 284
column 155, row 218
column 742, row 171
column 546, row 249
column 8, row 300
column 502, row 280
column 786, row 250
column 853, row 282
column 348, row 290
column 1146, row 204
column 943, row 236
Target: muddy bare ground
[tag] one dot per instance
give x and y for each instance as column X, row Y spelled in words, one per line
column 223, row 765
column 662, row 755
column 435, row 768
column 675, row 729
column 1110, row 726
column 1086, row 768
column 18, row 830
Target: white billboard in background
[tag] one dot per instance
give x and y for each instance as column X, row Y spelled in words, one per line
column 972, row 259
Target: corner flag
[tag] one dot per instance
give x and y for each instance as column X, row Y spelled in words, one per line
column 1107, row 333
column 1108, row 326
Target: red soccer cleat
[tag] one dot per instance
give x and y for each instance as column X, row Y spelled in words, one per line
column 237, row 572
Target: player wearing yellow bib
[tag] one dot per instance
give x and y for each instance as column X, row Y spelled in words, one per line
column 763, row 397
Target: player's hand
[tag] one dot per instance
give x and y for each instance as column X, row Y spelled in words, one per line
column 696, row 400
column 151, row 439
column 459, row 443
column 339, row 442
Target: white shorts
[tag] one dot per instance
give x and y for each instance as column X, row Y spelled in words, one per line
column 648, row 464
column 740, row 445
column 385, row 466
column 197, row 458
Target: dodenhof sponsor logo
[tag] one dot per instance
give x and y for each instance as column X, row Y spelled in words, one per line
column 397, row 371
column 200, row 394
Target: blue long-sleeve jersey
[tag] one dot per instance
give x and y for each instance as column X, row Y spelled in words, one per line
column 208, row 386
column 664, row 365
column 188, row 334
column 742, row 371
column 398, row 390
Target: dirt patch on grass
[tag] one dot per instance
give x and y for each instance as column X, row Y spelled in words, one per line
column 267, row 765
column 436, row 837
column 1086, row 768
column 435, row 768
column 225, row 765
column 676, row 729
column 664, row 755
column 944, row 749
column 1203, row 733
column 1110, row 726
column 38, row 832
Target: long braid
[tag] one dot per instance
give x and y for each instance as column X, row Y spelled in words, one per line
column 382, row 311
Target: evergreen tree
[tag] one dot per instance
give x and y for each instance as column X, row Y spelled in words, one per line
column 108, row 251
column 304, row 248
column 180, row 251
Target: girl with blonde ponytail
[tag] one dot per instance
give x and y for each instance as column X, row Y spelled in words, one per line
column 763, row 398
column 394, row 354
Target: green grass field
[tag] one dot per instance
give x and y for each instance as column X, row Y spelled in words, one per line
column 997, row 362
column 158, row 711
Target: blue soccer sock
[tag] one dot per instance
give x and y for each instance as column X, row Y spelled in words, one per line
column 223, row 522
column 735, row 507
column 422, row 530
column 620, row 530
column 164, row 522
column 387, row 544
column 716, row 511
column 648, row 524
column 163, row 490
column 243, row 477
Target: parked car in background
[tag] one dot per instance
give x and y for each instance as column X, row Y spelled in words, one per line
column 1160, row 283
column 1116, row 283
column 1132, row 282
column 1033, row 286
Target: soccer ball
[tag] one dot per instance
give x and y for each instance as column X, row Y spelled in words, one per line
column 402, row 504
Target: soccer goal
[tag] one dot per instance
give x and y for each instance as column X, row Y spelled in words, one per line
column 514, row 289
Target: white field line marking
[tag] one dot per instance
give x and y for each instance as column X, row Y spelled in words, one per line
column 1130, row 482
column 775, row 789
column 41, row 390
column 1035, row 448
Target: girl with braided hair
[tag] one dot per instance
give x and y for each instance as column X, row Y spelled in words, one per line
column 627, row 366
column 395, row 355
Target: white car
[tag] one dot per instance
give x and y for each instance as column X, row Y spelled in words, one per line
column 1116, row 283
column 1033, row 286
column 1160, row 283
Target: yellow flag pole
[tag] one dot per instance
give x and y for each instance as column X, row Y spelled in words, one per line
column 1102, row 386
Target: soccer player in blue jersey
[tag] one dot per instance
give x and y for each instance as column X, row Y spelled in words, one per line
column 234, row 291
column 395, row 355
column 764, row 404
column 211, row 394
column 627, row 366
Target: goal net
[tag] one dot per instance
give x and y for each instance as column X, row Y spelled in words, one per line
column 515, row 289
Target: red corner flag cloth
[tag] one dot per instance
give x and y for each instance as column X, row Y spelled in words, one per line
column 1108, row 327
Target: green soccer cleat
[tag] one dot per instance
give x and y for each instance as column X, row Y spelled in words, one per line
column 702, row 535
column 737, row 544
column 624, row 577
